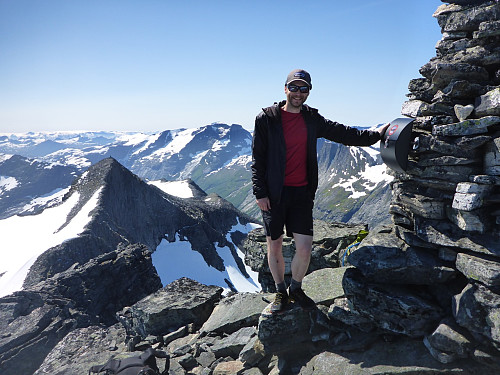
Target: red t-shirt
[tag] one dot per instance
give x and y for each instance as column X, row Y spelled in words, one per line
column 295, row 132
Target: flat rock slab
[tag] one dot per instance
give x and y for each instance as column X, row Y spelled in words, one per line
column 403, row 356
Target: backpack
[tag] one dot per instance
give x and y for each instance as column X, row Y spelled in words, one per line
column 143, row 364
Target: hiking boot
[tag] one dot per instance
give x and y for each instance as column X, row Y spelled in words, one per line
column 280, row 302
column 302, row 299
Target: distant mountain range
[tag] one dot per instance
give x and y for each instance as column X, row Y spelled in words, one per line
column 353, row 185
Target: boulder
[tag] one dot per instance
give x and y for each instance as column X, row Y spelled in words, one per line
column 467, row 18
column 232, row 345
column 384, row 258
column 444, row 233
column 179, row 303
column 235, row 312
column 324, row 286
column 466, row 127
column 449, row 342
column 84, row 348
column 397, row 309
column 286, row 332
column 488, row 104
column 477, row 308
column 477, row 269
column 399, row 356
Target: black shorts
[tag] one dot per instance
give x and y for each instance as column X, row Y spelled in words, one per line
column 294, row 211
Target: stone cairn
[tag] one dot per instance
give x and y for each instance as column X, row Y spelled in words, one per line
column 435, row 273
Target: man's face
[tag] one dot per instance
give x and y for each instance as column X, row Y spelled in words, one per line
column 297, row 98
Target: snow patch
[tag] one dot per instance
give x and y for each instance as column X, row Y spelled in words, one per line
column 7, row 183
column 179, row 141
column 51, row 198
column 174, row 260
column 25, row 238
column 180, row 189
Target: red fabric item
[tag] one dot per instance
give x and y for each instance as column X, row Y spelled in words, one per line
column 295, row 132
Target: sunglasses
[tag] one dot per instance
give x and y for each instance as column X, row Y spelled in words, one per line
column 295, row 88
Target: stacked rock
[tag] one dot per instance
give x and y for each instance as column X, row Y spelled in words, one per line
column 457, row 109
column 445, row 242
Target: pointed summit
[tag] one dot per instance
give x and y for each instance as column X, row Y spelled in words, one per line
column 125, row 209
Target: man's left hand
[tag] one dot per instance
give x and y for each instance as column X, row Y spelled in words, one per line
column 382, row 129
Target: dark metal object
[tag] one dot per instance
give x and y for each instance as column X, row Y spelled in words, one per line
column 395, row 144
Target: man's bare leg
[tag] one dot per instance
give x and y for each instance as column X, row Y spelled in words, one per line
column 277, row 267
column 275, row 259
column 300, row 262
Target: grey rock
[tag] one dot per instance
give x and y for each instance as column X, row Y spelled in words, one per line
column 232, row 345
column 442, row 74
column 393, row 308
column 179, row 303
column 187, row 361
column 453, row 173
column 35, row 320
column 384, row 258
column 467, row 202
column 461, row 147
column 478, row 269
column 235, row 312
column 467, row 18
column 477, row 308
column 473, row 188
column 430, row 160
column 446, row 234
column 252, row 371
column 462, row 112
column 467, row 127
column 470, row 221
column 253, row 352
column 324, row 285
column 341, row 311
column 492, row 157
column 83, row 348
column 419, row 108
column 485, row 180
column 284, row 332
column 205, row 359
column 428, row 207
column 489, row 103
column 181, row 332
column 176, row 368
column 402, row 356
column 487, row 29
column 96, row 281
column 462, row 90
column 450, row 341
column 229, row 368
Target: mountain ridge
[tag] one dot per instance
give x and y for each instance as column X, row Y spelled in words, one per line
column 124, row 209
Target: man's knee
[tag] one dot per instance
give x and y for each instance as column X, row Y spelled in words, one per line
column 274, row 246
column 303, row 252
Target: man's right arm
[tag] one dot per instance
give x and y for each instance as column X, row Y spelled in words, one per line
column 259, row 158
column 264, row 204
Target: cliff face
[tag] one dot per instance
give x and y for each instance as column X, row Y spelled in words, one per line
column 444, row 245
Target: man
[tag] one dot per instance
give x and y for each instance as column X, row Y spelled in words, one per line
column 285, row 178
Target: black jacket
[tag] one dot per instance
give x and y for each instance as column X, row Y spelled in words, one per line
column 269, row 149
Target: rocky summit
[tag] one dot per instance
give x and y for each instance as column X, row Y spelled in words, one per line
column 418, row 296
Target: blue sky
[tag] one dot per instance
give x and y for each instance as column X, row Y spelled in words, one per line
column 151, row 65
